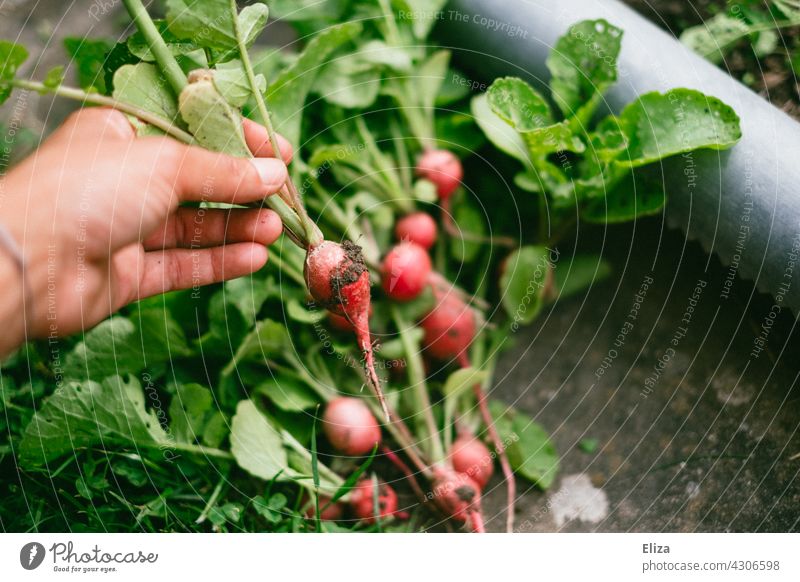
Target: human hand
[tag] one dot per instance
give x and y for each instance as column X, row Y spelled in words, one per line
column 96, row 213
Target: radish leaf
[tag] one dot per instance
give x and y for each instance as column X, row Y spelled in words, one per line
column 90, row 413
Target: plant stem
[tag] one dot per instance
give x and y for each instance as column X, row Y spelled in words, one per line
column 416, row 376
column 499, row 446
column 169, row 66
column 165, row 125
column 212, row 501
column 312, row 231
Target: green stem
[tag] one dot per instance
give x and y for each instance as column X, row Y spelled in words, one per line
column 416, row 375
column 392, row 33
column 212, row 501
column 164, row 125
column 169, row 66
column 295, row 445
column 312, row 231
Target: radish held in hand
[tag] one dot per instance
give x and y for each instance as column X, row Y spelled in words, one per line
column 338, row 279
column 350, row 426
column 362, row 500
column 442, row 168
column 340, row 323
column 417, row 227
column 405, row 271
column 472, row 458
column 459, row 497
column 449, row 328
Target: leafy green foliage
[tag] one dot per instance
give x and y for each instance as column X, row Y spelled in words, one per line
column 208, row 23
column 583, row 64
column 256, row 444
column 11, row 57
column 660, row 125
column 89, row 56
column 85, row 414
column 530, row 450
column 524, row 282
column 144, row 86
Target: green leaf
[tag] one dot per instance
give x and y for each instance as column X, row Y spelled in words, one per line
column 11, row 57
column 90, row 55
column 529, row 448
column 255, row 443
column 208, row 23
column 300, row 10
column 189, row 410
column 429, row 78
column 500, row 133
column 423, row 15
column 54, row 77
column 467, row 218
column 589, row 445
column 269, row 339
column 629, row 200
column 215, row 430
column 715, row 36
column 462, row 380
column 287, row 393
column 122, row 346
column 211, row 120
column 87, row 414
column 377, row 52
column 143, row 85
column 659, row 125
column 231, row 81
column 519, row 105
column 349, row 82
column 583, row 64
column 579, row 274
column 299, row 313
column 524, row 282
column 140, row 48
column 286, row 95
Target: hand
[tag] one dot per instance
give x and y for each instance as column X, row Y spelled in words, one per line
column 96, row 213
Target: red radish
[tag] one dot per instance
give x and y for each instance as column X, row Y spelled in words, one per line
column 405, row 271
column 350, row 426
column 328, row 511
column 449, row 328
column 459, row 497
column 362, row 500
column 417, row 227
column 472, row 458
column 338, row 279
column 442, row 168
column 342, row 323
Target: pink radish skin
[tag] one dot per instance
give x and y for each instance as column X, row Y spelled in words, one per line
column 449, row 328
column 340, row 323
column 442, row 168
column 338, row 279
column 459, row 497
column 472, row 458
column 362, row 501
column 417, row 227
column 350, row 426
column 405, row 271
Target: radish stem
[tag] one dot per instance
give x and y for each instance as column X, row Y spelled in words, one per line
column 165, row 125
column 508, row 474
column 169, row 66
column 312, row 231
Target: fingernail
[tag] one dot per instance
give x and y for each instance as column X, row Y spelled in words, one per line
column 271, row 171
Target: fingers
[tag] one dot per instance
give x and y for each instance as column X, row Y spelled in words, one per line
column 175, row 269
column 97, row 123
column 199, row 175
column 203, row 227
column 257, row 140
